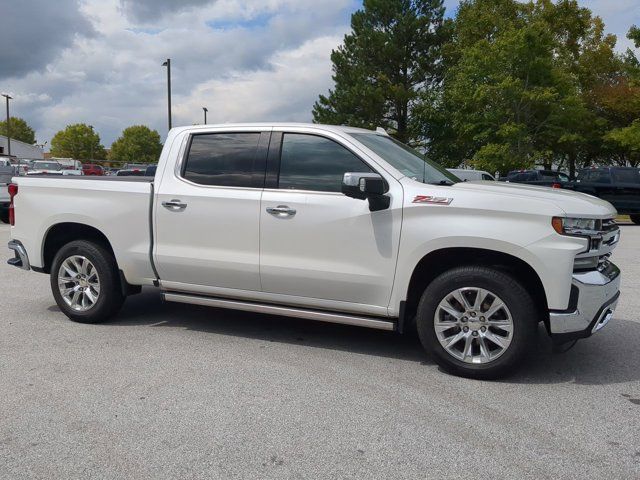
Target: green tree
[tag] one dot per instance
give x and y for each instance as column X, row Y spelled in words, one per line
column 386, row 64
column 516, row 86
column 627, row 141
column 634, row 35
column 77, row 141
column 20, row 130
column 137, row 144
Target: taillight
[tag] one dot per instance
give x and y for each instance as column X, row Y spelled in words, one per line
column 13, row 191
column 556, row 185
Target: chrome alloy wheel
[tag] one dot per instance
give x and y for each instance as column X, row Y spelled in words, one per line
column 473, row 325
column 79, row 283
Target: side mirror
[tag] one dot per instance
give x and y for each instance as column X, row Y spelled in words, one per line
column 366, row 186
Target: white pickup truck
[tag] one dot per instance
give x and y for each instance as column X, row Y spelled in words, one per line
column 328, row 223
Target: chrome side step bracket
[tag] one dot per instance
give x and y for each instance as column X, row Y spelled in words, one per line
column 319, row 315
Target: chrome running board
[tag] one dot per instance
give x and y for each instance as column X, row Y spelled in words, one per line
column 319, row 315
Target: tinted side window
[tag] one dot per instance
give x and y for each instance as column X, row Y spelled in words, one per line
column 600, row 177
column 627, row 176
column 225, row 159
column 309, row 162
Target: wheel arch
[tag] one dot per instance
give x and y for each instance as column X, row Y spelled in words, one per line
column 62, row 233
column 439, row 261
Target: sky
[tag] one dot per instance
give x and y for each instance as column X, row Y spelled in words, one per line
column 100, row 61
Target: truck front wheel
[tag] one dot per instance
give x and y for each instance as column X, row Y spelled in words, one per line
column 477, row 322
column 85, row 282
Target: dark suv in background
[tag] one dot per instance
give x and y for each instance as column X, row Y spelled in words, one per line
column 544, row 178
column 618, row 185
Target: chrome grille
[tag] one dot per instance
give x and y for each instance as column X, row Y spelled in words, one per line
column 601, row 244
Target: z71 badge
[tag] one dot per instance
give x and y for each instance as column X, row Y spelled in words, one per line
column 432, row 200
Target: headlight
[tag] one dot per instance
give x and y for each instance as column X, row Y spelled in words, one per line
column 575, row 226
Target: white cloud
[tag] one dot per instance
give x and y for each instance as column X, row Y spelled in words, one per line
column 114, row 78
column 284, row 91
column 244, row 60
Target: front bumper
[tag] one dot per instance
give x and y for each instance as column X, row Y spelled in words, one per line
column 20, row 258
column 594, row 297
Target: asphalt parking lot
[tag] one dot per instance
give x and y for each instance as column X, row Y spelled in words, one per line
column 174, row 391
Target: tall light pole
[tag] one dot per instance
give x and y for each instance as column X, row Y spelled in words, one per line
column 168, row 65
column 91, row 142
column 205, row 110
column 8, row 97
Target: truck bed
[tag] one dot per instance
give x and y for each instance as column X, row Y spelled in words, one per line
column 117, row 207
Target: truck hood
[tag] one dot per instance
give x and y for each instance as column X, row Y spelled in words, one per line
column 574, row 204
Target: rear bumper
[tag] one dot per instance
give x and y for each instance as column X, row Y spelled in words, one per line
column 595, row 297
column 20, row 258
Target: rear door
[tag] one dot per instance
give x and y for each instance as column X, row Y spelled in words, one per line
column 317, row 244
column 207, row 213
column 627, row 190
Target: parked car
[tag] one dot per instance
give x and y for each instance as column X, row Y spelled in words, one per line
column 68, row 163
column 470, row 175
column 131, row 173
column 92, row 169
column 618, row 185
column 135, row 166
column 543, row 178
column 7, row 172
column 44, row 167
column 150, row 171
column 335, row 224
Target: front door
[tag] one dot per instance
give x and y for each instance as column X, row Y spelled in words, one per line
column 316, row 242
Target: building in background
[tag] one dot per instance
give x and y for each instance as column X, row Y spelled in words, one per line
column 20, row 149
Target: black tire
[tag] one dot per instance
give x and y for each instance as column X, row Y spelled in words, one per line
column 635, row 218
column 110, row 298
column 515, row 297
column 4, row 215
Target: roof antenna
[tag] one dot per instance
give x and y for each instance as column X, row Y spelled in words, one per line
column 382, row 131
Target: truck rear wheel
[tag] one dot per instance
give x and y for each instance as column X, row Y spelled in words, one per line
column 85, row 282
column 477, row 322
column 635, row 218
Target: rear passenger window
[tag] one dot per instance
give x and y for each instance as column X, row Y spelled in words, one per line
column 225, row 159
column 600, row 177
column 309, row 162
column 627, row 176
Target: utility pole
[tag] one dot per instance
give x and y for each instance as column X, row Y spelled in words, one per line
column 168, row 65
column 91, row 142
column 205, row 110
column 8, row 97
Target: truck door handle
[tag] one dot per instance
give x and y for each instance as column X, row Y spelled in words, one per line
column 174, row 205
column 281, row 211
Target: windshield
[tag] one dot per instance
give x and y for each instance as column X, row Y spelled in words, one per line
column 405, row 159
column 47, row 166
